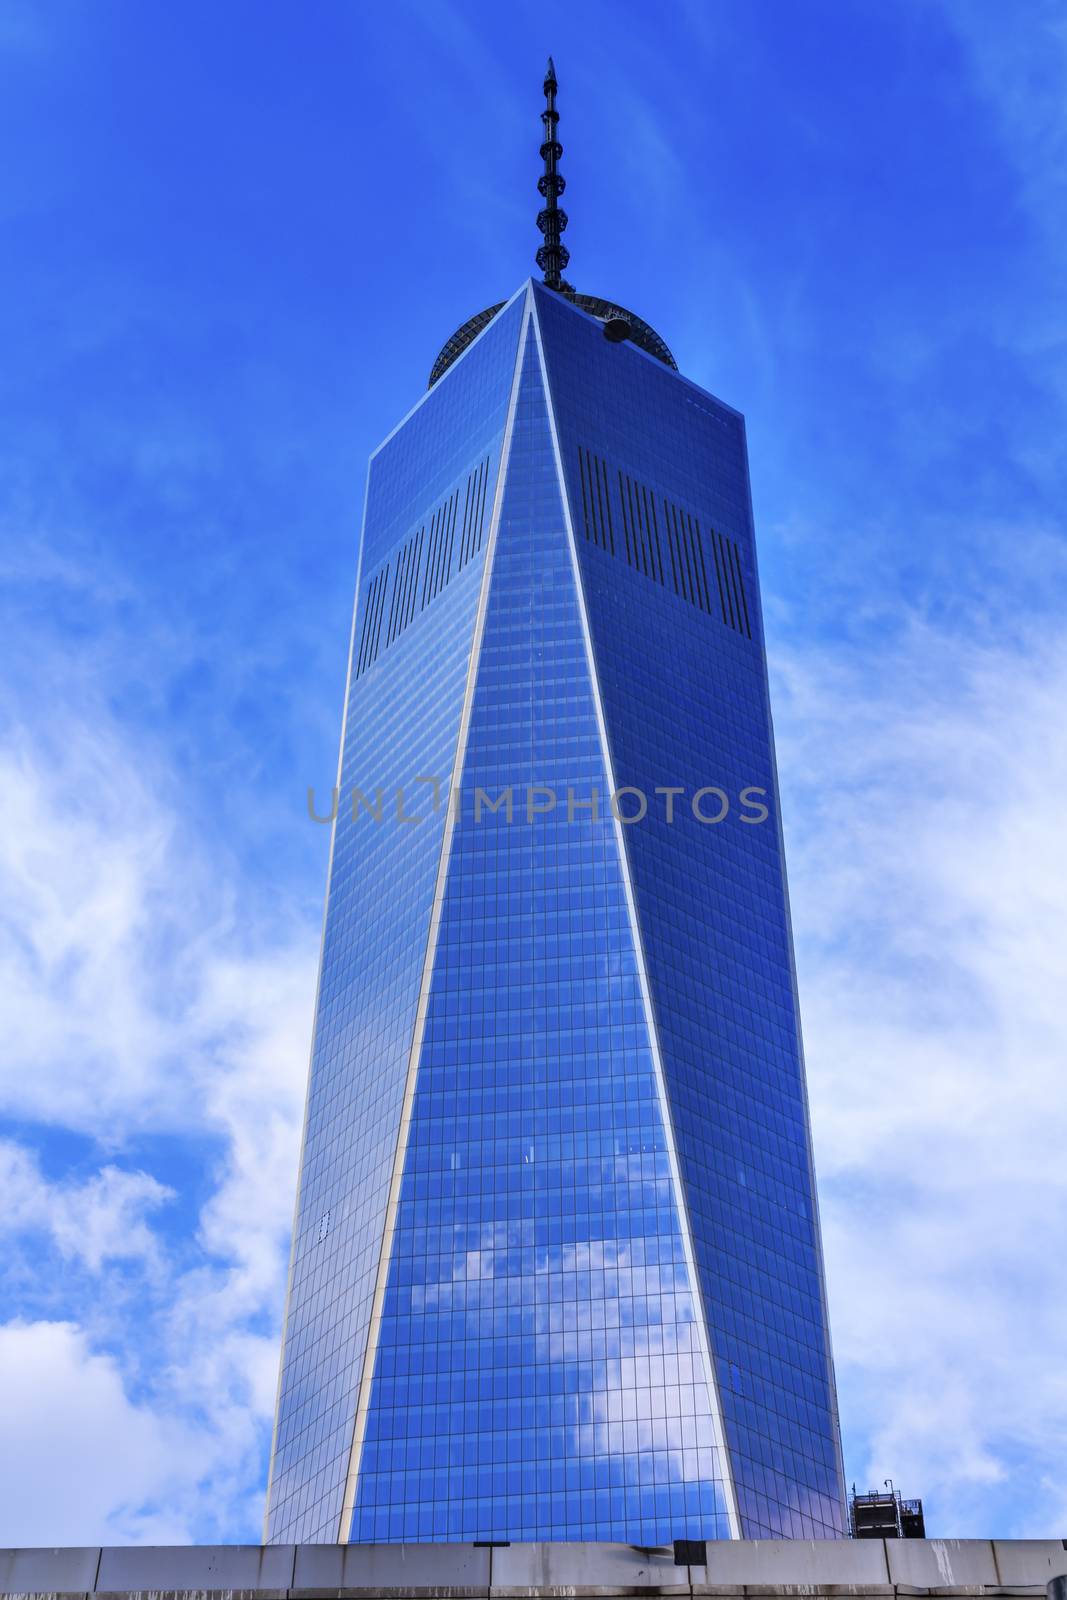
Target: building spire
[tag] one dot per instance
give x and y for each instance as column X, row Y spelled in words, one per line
column 553, row 255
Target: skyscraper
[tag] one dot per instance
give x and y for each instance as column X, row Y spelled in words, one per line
column 556, row 1267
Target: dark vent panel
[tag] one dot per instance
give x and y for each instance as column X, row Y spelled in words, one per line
column 422, row 567
column 663, row 541
column 732, row 598
column 596, row 500
column 373, row 606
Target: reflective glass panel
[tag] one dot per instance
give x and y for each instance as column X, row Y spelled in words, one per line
column 675, row 619
column 401, row 723
column 538, row 1372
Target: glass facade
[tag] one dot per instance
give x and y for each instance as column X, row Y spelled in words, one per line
column 556, row 1268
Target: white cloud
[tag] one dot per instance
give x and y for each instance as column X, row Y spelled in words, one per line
column 924, row 777
column 83, row 1465
column 135, row 997
column 87, row 866
column 137, row 1002
column 99, row 1220
column 86, row 1464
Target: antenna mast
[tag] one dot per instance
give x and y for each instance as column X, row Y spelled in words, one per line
column 553, row 255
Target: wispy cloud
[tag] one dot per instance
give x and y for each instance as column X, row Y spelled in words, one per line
column 102, row 1219
column 140, row 1006
column 924, row 773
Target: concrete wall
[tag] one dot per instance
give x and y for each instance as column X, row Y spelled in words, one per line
column 741, row 1570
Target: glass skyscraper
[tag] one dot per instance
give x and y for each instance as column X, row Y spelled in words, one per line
column 556, row 1268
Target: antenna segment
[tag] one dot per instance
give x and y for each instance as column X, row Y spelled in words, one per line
column 553, row 255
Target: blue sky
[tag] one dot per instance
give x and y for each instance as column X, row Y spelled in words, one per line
column 235, row 237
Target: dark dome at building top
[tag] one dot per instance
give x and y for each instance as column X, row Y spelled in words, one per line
column 553, row 257
column 618, row 323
